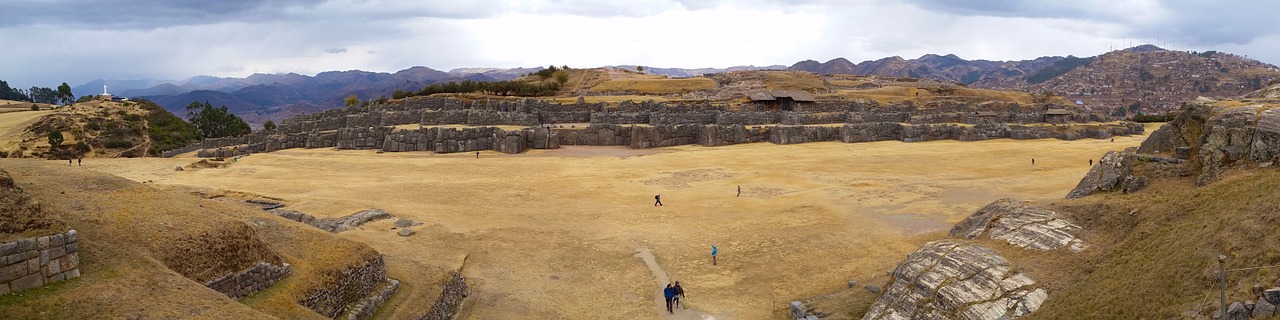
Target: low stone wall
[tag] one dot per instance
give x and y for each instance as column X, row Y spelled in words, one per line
column 334, row 225
column 248, row 281
column 455, row 289
column 365, row 309
column 35, row 262
column 351, row 286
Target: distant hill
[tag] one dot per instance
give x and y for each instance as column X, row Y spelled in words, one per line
column 686, row 73
column 1157, row 80
column 929, row 66
column 260, row 97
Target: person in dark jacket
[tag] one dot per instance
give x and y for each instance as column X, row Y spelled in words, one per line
column 679, row 294
column 657, row 200
column 670, row 294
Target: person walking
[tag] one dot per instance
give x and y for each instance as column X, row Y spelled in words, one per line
column 477, row 154
column 1090, row 162
column 714, row 251
column 679, row 295
column 670, row 294
column 657, row 200
column 739, row 190
column 1033, row 161
column 79, row 161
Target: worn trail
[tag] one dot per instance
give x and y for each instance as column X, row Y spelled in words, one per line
column 659, row 302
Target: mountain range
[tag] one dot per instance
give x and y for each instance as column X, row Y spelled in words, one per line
column 1141, row 79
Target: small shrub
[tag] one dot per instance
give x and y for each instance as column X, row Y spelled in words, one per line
column 118, row 144
column 35, row 107
column 82, row 147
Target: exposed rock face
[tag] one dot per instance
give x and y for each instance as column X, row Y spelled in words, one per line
column 948, row 279
column 1020, row 225
column 1106, row 175
column 334, row 225
column 1219, row 137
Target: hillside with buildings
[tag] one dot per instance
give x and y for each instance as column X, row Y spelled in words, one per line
column 1144, row 79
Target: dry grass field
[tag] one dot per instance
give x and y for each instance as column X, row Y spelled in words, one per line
column 555, row 233
column 656, row 86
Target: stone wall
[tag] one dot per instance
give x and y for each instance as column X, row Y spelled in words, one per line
column 350, row 287
column 365, row 309
column 446, row 307
column 371, row 127
column 248, row 281
column 35, row 262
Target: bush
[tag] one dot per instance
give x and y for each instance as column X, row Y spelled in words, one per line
column 167, row 131
column 55, row 138
column 118, row 144
column 35, row 107
column 82, row 147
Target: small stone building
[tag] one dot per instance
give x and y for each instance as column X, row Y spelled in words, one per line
column 1057, row 116
column 784, row 100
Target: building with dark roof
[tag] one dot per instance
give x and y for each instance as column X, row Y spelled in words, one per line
column 784, row 100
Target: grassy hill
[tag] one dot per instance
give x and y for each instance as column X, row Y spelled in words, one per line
column 98, row 129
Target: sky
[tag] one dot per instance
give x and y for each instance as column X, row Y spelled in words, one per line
column 47, row 42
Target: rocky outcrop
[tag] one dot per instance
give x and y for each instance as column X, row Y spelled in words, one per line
column 334, row 225
column 1020, row 225
column 1218, row 138
column 948, row 279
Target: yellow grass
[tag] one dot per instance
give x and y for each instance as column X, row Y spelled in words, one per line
column 656, row 86
column 793, row 80
column 551, row 233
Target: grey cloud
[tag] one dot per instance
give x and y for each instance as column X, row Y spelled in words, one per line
column 1189, row 22
column 336, row 50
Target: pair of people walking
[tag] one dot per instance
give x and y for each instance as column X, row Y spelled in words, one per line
column 673, row 294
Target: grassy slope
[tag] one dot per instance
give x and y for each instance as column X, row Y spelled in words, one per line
column 1161, row 260
column 129, row 230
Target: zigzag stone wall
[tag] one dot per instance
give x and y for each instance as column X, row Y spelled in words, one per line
column 659, row 124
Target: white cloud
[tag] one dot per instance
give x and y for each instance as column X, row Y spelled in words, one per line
column 167, row 39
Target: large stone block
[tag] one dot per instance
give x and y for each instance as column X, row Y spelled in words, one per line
column 11, row 272
column 29, row 282
column 8, row 248
column 42, row 243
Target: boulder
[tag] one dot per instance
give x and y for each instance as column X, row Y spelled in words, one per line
column 949, row 279
column 853, row 283
column 1106, row 175
column 797, row 310
column 1020, row 225
column 404, row 223
column 1263, row 309
column 406, row 232
column 1237, row 312
column 1272, row 295
column 873, row 288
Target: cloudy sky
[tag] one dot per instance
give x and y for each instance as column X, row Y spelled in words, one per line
column 51, row 41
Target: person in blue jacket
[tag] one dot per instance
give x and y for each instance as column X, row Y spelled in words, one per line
column 669, row 293
column 713, row 255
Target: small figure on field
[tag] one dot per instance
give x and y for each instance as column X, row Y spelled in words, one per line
column 1113, row 139
column 679, row 295
column 1033, row 161
column 79, row 161
column 657, row 200
column 477, row 154
column 1090, row 162
column 714, row 251
column 670, row 294
column 739, row 190
column 68, row 162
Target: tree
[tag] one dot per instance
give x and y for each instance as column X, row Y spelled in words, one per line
column 351, row 101
column 35, row 107
column 43, row 95
column 269, row 125
column 64, row 94
column 640, row 69
column 216, row 122
column 562, row 76
column 55, row 138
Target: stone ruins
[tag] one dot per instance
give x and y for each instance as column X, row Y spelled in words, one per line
column 543, row 125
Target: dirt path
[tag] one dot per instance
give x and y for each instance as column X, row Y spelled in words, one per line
column 659, row 302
